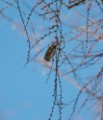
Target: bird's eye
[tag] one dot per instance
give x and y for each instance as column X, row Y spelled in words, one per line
column 55, row 46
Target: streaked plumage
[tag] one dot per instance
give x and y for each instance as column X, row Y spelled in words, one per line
column 51, row 51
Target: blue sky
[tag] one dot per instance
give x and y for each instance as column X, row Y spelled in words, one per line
column 24, row 95
column 23, row 92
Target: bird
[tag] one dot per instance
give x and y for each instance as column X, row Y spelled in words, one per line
column 51, row 51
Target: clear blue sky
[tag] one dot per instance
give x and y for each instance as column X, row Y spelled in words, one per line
column 23, row 92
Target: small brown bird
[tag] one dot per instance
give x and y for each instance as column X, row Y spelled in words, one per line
column 51, row 51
